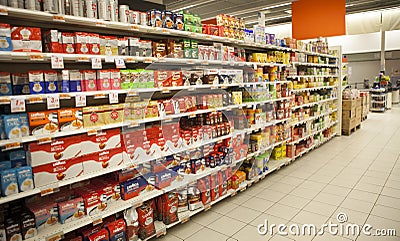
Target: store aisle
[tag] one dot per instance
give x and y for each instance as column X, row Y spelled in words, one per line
column 358, row 176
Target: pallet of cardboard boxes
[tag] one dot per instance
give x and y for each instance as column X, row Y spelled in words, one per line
column 364, row 105
column 351, row 115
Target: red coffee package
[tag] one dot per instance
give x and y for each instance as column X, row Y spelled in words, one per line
column 146, row 220
column 132, row 224
column 170, row 207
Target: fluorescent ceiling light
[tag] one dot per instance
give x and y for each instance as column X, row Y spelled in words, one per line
column 270, row 19
column 288, row 11
column 192, row 6
column 276, row 6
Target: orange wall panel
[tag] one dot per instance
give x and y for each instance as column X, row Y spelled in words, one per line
column 318, row 18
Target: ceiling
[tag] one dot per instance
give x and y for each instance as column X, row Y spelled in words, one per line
column 276, row 11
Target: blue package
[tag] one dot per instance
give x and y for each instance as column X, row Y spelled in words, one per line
column 75, row 81
column 24, row 124
column 5, row 165
column 5, row 83
column 24, row 178
column 36, row 82
column 16, row 155
column 18, row 163
column 63, row 84
column 20, row 83
column 12, row 126
column 50, row 80
column 9, row 184
column 5, row 37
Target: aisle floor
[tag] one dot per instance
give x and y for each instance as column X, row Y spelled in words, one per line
column 358, row 175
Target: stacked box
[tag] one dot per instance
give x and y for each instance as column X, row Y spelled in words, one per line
column 349, row 114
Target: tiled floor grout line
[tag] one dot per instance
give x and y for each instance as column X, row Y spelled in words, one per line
column 338, row 206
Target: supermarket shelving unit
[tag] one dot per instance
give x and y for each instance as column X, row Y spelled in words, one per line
column 18, row 16
column 378, row 100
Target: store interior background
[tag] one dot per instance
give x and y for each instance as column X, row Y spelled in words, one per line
column 366, row 22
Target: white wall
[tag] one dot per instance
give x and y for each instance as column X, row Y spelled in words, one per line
column 392, row 40
column 364, row 70
column 361, row 43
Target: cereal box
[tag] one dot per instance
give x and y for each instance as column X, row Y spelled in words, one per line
column 113, row 114
column 36, row 82
column 43, row 123
column 70, row 119
column 134, row 187
column 92, row 116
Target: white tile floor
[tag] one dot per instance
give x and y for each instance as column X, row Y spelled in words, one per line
column 357, row 175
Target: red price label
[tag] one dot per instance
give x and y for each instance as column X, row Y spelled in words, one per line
column 96, row 63
column 80, row 100
column 17, row 104
column 58, row 18
column 53, row 102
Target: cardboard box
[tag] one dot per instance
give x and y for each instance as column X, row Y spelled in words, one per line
column 55, row 171
column 43, row 122
column 349, row 104
column 349, row 124
column 359, row 101
column 358, row 112
column 102, row 160
column 348, row 114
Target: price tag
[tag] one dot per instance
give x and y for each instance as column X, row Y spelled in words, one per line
column 130, row 60
column 96, row 63
column 113, row 97
column 57, row 62
column 207, row 207
column 55, row 237
column 59, row 18
column 165, row 90
column 99, row 96
column 92, row 132
column 82, row 59
column 44, row 140
column 97, row 221
column 101, row 24
column 166, row 31
column 138, row 204
column 17, row 104
column 35, row 99
column 3, row 11
column 185, row 218
column 135, row 27
column 134, row 124
column 161, row 232
column 132, row 93
column 4, row 100
column 36, row 57
column 65, row 96
column 120, row 63
column 50, row 190
column 148, row 61
column 80, row 100
column 53, row 102
column 205, row 62
column 190, row 61
column 11, row 146
column 192, row 115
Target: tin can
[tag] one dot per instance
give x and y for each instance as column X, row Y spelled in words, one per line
column 143, row 18
column 91, row 8
column 50, row 6
column 104, row 9
column 124, row 14
column 135, row 17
